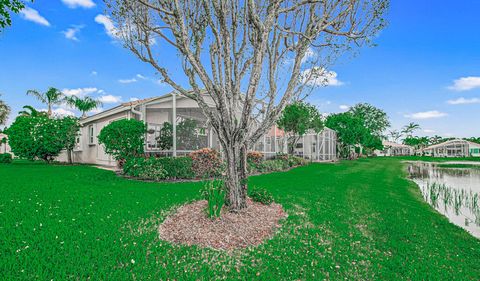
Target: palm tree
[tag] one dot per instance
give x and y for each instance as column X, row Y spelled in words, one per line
column 410, row 128
column 84, row 105
column 51, row 97
column 29, row 110
column 4, row 112
column 395, row 135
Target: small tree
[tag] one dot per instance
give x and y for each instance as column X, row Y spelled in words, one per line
column 123, row 139
column 36, row 137
column 165, row 138
column 84, row 105
column 4, row 111
column 69, row 128
column 297, row 118
column 187, row 135
column 350, row 131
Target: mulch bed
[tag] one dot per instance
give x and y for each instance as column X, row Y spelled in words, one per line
column 189, row 225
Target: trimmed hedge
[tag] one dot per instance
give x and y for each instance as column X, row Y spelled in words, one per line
column 282, row 162
column 168, row 168
column 200, row 164
column 5, row 158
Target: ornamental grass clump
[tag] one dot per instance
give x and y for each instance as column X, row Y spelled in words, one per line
column 214, row 193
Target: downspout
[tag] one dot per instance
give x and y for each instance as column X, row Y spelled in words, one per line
column 134, row 111
column 140, row 115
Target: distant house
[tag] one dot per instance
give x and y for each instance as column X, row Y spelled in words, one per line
column 4, row 147
column 453, row 148
column 394, row 149
column 173, row 108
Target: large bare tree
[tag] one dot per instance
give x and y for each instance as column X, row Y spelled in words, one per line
column 247, row 57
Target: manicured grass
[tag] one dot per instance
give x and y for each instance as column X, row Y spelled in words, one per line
column 359, row 220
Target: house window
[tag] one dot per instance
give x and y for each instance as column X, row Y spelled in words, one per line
column 90, row 135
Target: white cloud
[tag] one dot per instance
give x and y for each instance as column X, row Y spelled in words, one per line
column 110, row 99
column 127, row 81
column 80, row 92
column 93, row 73
column 33, row 15
column 465, row 83
column 344, row 107
column 110, row 28
column 428, row 131
column 464, row 101
column 71, row 33
column 60, row 112
column 310, row 55
column 133, row 99
column 79, row 3
column 318, row 76
column 426, row 115
column 140, row 76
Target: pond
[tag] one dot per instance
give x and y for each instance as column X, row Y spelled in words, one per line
column 454, row 192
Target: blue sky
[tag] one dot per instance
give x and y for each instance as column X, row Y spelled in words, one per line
column 425, row 69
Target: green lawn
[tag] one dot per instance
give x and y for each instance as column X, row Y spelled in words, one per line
column 354, row 220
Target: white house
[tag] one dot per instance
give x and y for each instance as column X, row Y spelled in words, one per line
column 172, row 108
column 453, row 148
column 394, row 149
column 4, row 147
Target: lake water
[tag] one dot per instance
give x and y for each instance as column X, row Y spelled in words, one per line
column 454, row 192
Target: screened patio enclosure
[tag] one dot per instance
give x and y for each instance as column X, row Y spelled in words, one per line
column 177, row 126
column 452, row 148
column 311, row 146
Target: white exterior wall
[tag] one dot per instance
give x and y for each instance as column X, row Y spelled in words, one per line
column 4, row 147
column 93, row 153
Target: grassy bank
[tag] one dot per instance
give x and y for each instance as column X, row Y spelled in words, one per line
column 352, row 220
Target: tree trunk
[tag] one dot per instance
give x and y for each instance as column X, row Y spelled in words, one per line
column 69, row 156
column 236, row 176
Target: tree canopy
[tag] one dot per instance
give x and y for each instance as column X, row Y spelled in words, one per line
column 298, row 118
column 41, row 137
column 375, row 120
column 6, row 8
column 352, row 132
column 123, row 139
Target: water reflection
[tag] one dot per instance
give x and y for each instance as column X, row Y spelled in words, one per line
column 454, row 192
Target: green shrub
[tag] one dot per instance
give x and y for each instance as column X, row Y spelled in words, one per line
column 123, row 139
column 214, row 193
column 273, row 165
column 145, row 168
column 5, row 158
column 260, row 195
column 177, row 167
column 206, row 162
column 40, row 137
column 168, row 168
